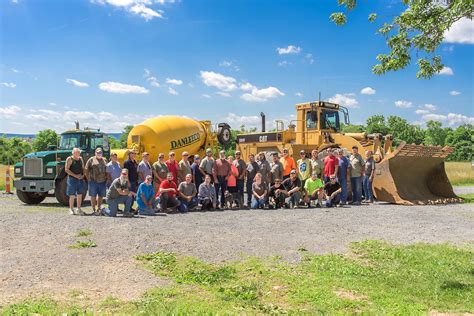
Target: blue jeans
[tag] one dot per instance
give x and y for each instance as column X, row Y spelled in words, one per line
column 356, row 184
column 368, row 189
column 257, row 203
column 186, row 205
column 97, row 188
column 74, row 186
column 343, row 183
column 294, row 198
column 113, row 205
column 334, row 201
column 222, row 185
column 249, row 191
column 148, row 211
column 240, row 188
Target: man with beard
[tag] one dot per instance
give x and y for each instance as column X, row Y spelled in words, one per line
column 119, row 192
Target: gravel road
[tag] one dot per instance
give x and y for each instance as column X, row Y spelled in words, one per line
column 35, row 258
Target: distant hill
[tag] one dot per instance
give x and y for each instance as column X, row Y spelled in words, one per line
column 27, row 136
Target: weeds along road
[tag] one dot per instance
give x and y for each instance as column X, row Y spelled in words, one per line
column 35, row 257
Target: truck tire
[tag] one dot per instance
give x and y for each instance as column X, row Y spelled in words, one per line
column 60, row 191
column 30, row 197
column 223, row 134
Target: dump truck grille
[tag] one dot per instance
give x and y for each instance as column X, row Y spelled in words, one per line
column 33, row 167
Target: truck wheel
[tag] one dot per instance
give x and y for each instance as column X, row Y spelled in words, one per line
column 30, row 197
column 223, row 134
column 60, row 192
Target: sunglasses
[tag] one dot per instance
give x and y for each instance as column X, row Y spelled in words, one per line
column 172, row 155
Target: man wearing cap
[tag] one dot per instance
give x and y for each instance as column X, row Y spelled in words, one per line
column 198, row 177
column 113, row 169
column 167, row 193
column 144, row 168
column 333, row 192
column 313, row 188
column 252, row 169
column 187, row 194
column 221, row 171
column 241, row 168
column 264, row 167
column 131, row 165
column 276, row 169
column 96, row 173
column 293, row 187
column 184, row 167
column 119, row 192
column 343, row 170
column 173, row 167
column 288, row 163
column 160, row 170
column 357, row 165
column 304, row 168
column 146, row 197
column 317, row 165
column 207, row 164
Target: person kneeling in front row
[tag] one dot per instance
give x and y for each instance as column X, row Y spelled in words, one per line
column 187, row 194
column 119, row 192
column 167, row 193
column 146, row 197
column 293, row 186
column 207, row 194
column 277, row 195
column 313, row 188
column 333, row 191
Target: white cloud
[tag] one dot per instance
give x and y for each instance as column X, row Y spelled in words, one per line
column 77, row 83
column 176, row 82
column 284, row 63
column 452, row 119
column 346, row 99
column 299, row 94
column 9, row 111
column 262, row 95
column 420, row 111
column 150, row 78
column 223, row 94
column 236, row 121
column 461, row 31
column 403, row 104
column 430, row 107
column 368, row 91
column 16, row 70
column 229, row 64
column 446, row 71
column 207, row 96
column 219, row 81
column 247, row 86
column 122, row 88
column 454, row 93
column 291, row 49
column 172, row 91
column 8, row 84
column 141, row 8
column 309, row 57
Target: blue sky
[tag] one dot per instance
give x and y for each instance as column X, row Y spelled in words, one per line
column 109, row 63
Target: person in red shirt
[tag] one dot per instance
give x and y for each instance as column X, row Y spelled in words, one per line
column 173, row 167
column 331, row 164
column 167, row 194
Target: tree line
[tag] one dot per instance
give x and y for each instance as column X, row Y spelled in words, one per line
column 461, row 137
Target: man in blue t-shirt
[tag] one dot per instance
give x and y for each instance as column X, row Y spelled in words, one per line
column 146, row 197
column 342, row 175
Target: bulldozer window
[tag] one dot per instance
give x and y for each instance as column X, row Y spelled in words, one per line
column 330, row 120
column 311, row 120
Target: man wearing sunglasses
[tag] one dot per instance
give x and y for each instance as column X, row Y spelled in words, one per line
column 333, row 192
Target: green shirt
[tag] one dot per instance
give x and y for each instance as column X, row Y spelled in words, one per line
column 313, row 185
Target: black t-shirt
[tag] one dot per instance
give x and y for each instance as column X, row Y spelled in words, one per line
column 330, row 188
column 131, row 165
column 290, row 185
column 273, row 188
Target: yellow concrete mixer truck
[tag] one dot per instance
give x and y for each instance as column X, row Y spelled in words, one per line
column 164, row 134
column 408, row 174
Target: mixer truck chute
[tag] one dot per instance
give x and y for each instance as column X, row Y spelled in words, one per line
column 409, row 174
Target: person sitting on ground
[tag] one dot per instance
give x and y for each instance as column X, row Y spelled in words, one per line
column 293, row 187
column 259, row 192
column 313, row 188
column 207, row 194
column 119, row 192
column 146, row 197
column 167, row 193
column 277, row 195
column 333, row 191
column 187, row 194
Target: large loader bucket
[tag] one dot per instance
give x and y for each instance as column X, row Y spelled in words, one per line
column 414, row 174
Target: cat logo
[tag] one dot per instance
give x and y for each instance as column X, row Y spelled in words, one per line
column 262, row 138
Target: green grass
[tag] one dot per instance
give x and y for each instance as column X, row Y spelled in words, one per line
column 468, row 198
column 83, row 233
column 83, row 244
column 374, row 278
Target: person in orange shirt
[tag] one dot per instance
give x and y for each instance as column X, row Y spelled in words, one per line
column 288, row 163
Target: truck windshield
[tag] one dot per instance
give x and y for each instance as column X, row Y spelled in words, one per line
column 99, row 140
column 70, row 141
column 330, row 120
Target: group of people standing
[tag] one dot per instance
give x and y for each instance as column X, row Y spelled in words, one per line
column 212, row 183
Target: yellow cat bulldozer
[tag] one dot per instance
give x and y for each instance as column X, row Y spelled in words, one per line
column 409, row 174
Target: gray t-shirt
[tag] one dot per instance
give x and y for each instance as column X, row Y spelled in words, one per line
column 113, row 193
column 264, row 169
column 369, row 166
column 187, row 189
column 241, row 166
column 145, row 169
column 357, row 163
column 276, row 170
column 207, row 164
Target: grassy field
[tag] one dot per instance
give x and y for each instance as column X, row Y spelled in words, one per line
column 459, row 173
column 373, row 278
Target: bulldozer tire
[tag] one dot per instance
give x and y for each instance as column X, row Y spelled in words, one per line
column 30, row 197
column 60, row 192
column 223, row 135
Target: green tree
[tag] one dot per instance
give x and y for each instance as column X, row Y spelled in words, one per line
column 435, row 134
column 115, row 143
column 45, row 138
column 124, row 136
column 416, row 32
column 403, row 131
column 377, row 124
column 462, row 139
column 352, row 128
column 13, row 149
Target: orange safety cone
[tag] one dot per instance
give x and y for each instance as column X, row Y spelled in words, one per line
column 7, row 181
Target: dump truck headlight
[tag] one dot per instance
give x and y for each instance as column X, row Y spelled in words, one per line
column 49, row 170
column 17, row 170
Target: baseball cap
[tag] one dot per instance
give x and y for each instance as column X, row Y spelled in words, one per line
column 98, row 150
column 148, row 177
column 209, row 150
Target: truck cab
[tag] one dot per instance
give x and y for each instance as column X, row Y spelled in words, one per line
column 41, row 174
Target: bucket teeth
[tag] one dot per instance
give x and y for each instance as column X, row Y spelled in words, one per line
column 424, row 151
